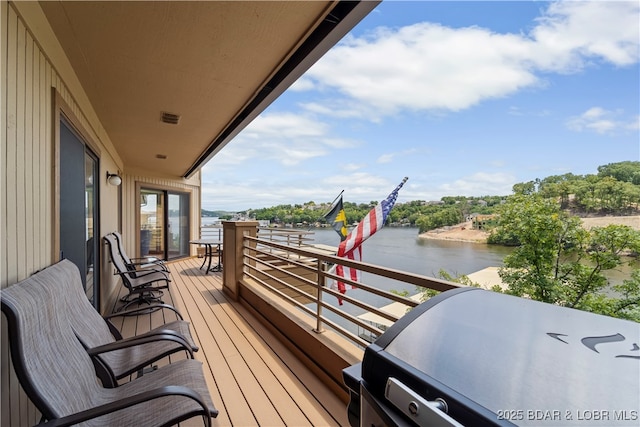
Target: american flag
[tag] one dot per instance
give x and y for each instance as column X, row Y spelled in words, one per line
column 351, row 247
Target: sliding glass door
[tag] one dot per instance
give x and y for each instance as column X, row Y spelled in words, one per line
column 178, row 225
column 164, row 223
column 79, row 208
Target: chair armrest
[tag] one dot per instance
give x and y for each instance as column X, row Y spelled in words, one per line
column 168, row 332
column 116, row 332
column 141, row 339
column 145, row 309
column 148, row 260
column 173, row 390
column 157, row 264
column 145, row 273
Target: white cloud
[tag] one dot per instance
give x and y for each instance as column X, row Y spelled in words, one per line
column 360, row 187
column 389, row 157
column 574, row 32
column 302, row 84
column 351, row 167
column 599, row 120
column 286, row 125
column 282, row 138
column 479, row 184
column 426, row 66
column 430, row 67
column 386, row 158
column 358, row 182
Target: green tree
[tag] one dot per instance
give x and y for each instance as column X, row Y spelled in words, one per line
column 559, row 262
column 525, row 188
column 622, row 171
column 450, row 215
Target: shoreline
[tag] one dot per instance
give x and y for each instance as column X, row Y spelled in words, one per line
column 464, row 232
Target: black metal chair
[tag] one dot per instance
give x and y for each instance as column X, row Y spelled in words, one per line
column 144, row 285
column 151, row 263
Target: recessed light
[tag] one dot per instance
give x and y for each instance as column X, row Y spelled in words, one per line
column 170, row 118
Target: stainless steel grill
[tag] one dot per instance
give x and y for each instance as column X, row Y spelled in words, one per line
column 473, row 357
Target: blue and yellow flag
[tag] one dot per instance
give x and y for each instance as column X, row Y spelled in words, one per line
column 338, row 220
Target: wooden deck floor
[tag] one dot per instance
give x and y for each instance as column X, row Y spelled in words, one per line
column 253, row 379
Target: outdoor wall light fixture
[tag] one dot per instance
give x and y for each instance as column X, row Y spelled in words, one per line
column 114, row 178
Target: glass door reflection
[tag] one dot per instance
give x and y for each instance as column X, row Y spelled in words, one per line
column 164, row 223
column 152, row 238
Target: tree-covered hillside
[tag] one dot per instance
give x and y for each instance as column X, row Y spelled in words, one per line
column 614, row 190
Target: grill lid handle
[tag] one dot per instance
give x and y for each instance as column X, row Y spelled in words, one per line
column 419, row 410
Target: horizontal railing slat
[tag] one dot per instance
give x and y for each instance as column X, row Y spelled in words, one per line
column 262, row 255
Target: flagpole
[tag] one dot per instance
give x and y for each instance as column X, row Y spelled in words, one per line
column 334, row 200
column 401, row 184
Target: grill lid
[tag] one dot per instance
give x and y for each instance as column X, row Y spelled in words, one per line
column 539, row 361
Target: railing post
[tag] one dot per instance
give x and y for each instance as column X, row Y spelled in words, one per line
column 319, row 284
column 233, row 254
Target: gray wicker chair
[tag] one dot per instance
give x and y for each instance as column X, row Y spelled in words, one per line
column 116, row 357
column 58, row 376
column 144, row 285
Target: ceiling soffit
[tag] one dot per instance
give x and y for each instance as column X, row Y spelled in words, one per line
column 214, row 64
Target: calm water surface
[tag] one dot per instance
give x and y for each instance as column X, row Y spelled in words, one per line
column 402, row 249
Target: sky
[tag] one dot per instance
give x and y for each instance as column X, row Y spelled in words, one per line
column 463, row 98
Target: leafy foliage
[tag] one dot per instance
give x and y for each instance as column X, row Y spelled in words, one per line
column 622, row 171
column 559, row 262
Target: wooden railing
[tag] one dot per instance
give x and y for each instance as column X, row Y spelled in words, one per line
column 299, row 272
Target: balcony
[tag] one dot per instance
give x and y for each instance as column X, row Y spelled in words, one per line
column 271, row 355
column 253, row 378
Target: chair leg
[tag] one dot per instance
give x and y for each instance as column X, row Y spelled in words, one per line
column 140, row 297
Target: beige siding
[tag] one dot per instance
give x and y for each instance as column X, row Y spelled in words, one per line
column 26, row 182
column 28, row 175
column 34, row 77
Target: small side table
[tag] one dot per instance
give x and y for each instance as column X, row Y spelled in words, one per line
column 209, row 253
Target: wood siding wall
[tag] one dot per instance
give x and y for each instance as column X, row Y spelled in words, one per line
column 27, row 180
column 31, row 64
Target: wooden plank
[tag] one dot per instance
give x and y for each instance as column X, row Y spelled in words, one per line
column 27, row 168
column 253, row 367
column 21, row 222
column 321, row 405
column 272, row 370
column 49, row 160
column 5, row 364
column 253, row 379
column 10, row 170
column 268, row 369
column 225, row 390
column 35, row 163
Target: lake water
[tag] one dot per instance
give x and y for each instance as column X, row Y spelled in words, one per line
column 402, row 249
